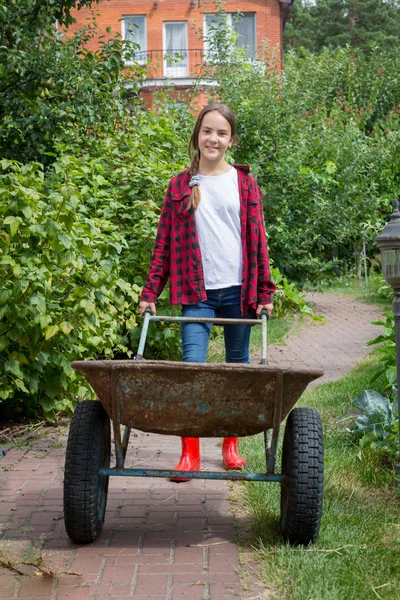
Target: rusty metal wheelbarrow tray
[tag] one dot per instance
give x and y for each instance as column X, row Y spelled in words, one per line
column 193, row 399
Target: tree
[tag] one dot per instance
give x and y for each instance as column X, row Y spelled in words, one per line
column 50, row 84
column 338, row 23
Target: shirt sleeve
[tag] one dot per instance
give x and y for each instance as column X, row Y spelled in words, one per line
column 265, row 286
column 161, row 257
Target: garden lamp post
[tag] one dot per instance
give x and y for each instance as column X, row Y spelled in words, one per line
column 389, row 244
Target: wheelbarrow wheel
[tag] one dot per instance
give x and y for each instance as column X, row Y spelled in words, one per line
column 85, row 491
column 302, row 477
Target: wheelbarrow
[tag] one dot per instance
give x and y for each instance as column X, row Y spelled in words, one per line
column 194, row 400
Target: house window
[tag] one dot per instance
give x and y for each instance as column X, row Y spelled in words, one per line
column 175, row 49
column 244, row 24
column 134, row 30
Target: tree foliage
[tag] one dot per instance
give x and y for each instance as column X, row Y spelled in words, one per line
column 51, row 84
column 361, row 24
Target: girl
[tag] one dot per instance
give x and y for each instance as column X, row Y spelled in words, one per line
column 211, row 244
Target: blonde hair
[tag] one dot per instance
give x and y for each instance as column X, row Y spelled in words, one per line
column 194, row 151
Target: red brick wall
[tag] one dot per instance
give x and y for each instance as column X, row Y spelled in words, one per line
column 109, row 12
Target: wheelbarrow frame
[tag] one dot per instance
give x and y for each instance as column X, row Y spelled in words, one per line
column 271, row 434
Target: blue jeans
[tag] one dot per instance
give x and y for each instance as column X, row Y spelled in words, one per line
column 195, row 336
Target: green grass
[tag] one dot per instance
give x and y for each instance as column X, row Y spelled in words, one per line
column 357, row 555
column 369, row 294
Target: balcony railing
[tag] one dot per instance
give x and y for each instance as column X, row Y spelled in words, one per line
column 175, row 64
column 182, row 63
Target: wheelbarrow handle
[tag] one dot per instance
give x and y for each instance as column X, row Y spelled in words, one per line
column 143, row 335
column 148, row 316
column 264, row 331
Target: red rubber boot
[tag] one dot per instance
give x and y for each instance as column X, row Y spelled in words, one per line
column 230, row 454
column 190, row 459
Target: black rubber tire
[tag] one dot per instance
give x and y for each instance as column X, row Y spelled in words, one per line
column 85, row 491
column 302, row 482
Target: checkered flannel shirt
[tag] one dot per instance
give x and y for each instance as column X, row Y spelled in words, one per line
column 177, row 254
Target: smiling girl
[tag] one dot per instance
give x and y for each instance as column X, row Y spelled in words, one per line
column 211, row 244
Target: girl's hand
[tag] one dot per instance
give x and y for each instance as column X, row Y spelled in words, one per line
column 268, row 307
column 143, row 305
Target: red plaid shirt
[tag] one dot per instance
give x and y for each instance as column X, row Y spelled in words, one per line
column 177, row 254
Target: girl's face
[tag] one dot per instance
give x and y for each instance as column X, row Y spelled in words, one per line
column 215, row 137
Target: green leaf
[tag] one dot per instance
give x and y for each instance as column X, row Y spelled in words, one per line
column 17, row 270
column 68, row 258
column 12, row 366
column 131, row 323
column 66, row 327
column 7, row 260
column 14, row 223
column 80, row 291
column 51, row 331
column 5, row 296
column 27, row 212
column 95, row 340
column 21, row 358
column 4, row 342
column 20, row 384
column 65, row 240
column 39, row 301
column 371, row 403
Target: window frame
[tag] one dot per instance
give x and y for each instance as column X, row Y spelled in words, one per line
column 230, row 22
column 141, row 60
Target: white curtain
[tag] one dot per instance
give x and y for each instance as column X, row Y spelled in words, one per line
column 135, row 31
column 245, row 26
column 246, row 29
column 176, row 44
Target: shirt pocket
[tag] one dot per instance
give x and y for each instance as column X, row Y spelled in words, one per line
column 179, row 206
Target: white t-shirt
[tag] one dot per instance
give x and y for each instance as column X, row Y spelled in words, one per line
column 218, row 230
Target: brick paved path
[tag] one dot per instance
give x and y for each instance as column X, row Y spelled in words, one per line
column 335, row 345
column 161, row 541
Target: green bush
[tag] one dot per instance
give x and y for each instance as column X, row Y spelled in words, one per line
column 62, row 296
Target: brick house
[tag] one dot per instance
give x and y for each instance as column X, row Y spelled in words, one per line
column 169, row 45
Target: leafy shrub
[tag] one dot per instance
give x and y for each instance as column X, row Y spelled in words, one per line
column 62, row 297
column 387, row 350
column 52, row 86
column 377, row 428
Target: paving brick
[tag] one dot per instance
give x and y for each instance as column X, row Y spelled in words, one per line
column 189, row 579
column 195, row 569
column 118, row 574
column 221, row 563
column 151, row 583
column 93, row 592
column 36, row 588
column 7, row 579
column 89, row 566
column 193, row 592
column 231, row 586
column 7, row 592
column 188, row 555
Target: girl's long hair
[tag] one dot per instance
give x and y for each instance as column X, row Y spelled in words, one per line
column 194, row 152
